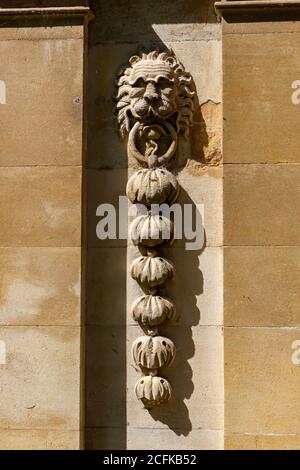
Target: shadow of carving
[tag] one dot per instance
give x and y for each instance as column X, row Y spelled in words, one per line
column 183, row 290
column 118, row 32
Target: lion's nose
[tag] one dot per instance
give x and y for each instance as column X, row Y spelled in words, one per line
column 151, row 92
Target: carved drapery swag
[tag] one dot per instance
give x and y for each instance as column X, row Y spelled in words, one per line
column 155, row 102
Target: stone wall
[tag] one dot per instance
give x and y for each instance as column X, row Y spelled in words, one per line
column 67, row 376
column 261, row 231
column 193, row 419
column 53, row 267
column 40, row 234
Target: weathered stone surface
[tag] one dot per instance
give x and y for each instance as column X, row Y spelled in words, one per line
column 106, row 273
column 40, row 236
column 27, row 32
column 39, row 439
column 139, row 21
column 261, row 381
column 40, row 286
column 205, row 190
column 168, row 439
column 105, row 187
column 106, row 382
column 262, row 442
column 206, row 136
column 258, row 104
column 261, row 204
column 106, row 438
column 41, row 389
column 261, row 286
column 197, row 397
column 260, row 27
column 36, row 209
column 42, row 3
column 206, row 70
column 30, row 68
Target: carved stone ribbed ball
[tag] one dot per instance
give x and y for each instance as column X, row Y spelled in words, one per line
column 152, row 310
column 151, row 230
column 151, row 271
column 152, row 353
column 152, row 391
column 152, row 186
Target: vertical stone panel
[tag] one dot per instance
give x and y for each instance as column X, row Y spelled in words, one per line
column 41, row 206
column 261, row 206
column 193, row 419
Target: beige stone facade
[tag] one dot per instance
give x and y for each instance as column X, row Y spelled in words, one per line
column 66, row 326
column 41, row 242
column 261, row 236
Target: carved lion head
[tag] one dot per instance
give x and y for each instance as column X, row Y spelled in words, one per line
column 155, row 87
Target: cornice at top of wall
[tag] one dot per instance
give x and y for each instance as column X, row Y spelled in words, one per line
column 257, row 6
column 251, row 4
column 258, row 10
column 37, row 11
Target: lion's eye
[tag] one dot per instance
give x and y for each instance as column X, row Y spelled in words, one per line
column 164, row 83
column 140, row 83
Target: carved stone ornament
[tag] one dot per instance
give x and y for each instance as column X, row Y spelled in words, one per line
column 151, row 230
column 152, row 390
column 151, row 271
column 152, row 310
column 155, row 88
column 152, row 186
column 152, row 353
column 155, row 103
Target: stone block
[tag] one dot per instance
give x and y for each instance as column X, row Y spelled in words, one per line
column 260, row 119
column 261, row 204
column 261, row 286
column 40, row 378
column 42, row 117
column 39, row 439
column 261, row 380
column 40, row 286
column 262, row 442
column 40, row 206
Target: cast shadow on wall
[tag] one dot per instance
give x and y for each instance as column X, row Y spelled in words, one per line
column 184, row 289
column 106, row 263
